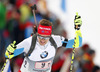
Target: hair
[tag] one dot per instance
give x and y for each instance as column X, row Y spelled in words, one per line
column 45, row 22
column 91, row 51
column 95, row 68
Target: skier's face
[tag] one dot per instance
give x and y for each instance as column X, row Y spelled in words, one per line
column 43, row 39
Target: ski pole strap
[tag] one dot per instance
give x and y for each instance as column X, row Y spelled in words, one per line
column 34, row 38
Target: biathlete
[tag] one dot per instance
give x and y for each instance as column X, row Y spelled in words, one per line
column 40, row 48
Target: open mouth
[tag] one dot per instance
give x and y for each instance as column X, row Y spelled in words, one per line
column 42, row 42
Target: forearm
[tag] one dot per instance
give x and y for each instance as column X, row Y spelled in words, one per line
column 16, row 53
column 77, row 40
column 14, row 50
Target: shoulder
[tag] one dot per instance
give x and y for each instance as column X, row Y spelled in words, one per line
column 29, row 39
column 57, row 37
column 25, row 41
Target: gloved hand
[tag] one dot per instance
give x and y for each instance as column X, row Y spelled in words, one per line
column 10, row 50
column 77, row 22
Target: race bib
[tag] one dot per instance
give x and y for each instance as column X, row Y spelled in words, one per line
column 43, row 65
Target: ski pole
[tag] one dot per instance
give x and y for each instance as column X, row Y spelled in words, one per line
column 33, row 10
column 7, row 59
column 4, row 65
column 34, row 7
column 73, row 55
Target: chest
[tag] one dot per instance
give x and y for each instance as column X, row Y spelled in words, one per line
column 42, row 53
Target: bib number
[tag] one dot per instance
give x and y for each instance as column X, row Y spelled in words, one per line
column 42, row 65
column 25, row 63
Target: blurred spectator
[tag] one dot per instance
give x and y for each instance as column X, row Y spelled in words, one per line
column 25, row 12
column 78, row 57
column 58, row 28
column 2, row 16
column 83, row 61
column 28, row 29
column 64, row 54
column 19, row 3
column 88, row 63
column 12, row 1
column 13, row 26
column 2, row 28
column 17, row 63
column 42, row 7
column 96, row 69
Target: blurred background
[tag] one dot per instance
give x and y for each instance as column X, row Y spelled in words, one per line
column 17, row 21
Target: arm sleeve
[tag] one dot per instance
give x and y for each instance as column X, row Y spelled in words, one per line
column 77, row 42
column 58, row 39
column 23, row 46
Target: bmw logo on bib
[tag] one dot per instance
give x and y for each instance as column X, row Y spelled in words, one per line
column 44, row 54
